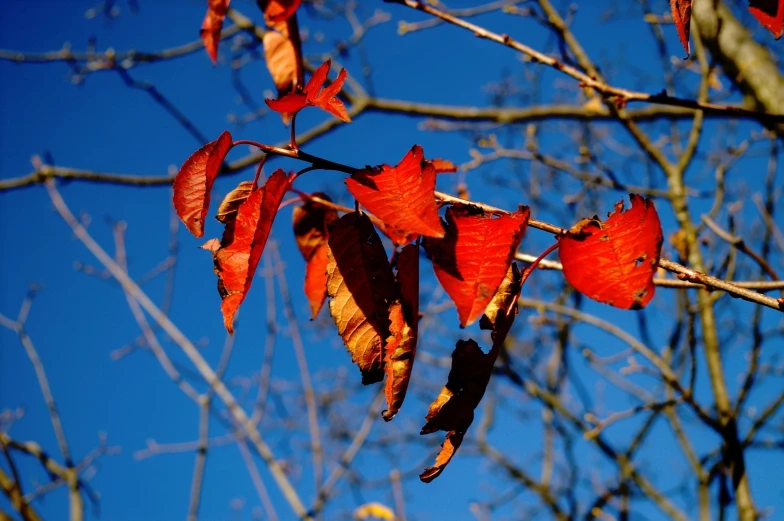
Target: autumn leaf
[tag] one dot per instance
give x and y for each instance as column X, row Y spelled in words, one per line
column 402, row 196
column 314, row 95
column 212, row 25
column 400, row 348
column 243, row 243
column 614, row 261
column 361, row 287
column 453, row 409
column 681, row 17
column 311, row 222
column 474, row 256
column 502, row 310
column 443, row 166
column 374, row 511
column 194, row 182
column 278, row 10
column 227, row 211
column 770, row 13
column 283, row 54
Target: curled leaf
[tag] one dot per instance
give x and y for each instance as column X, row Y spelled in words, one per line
column 283, row 54
column 681, row 16
column 227, row 211
column 194, row 182
column 314, row 95
column 212, row 25
column 770, row 13
column 311, row 223
column 243, row 243
column 614, row 261
column 361, row 287
column 448, row 449
column 474, row 256
column 502, row 310
column 400, row 349
column 402, row 196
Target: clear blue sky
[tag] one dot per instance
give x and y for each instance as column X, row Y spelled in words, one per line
column 77, row 321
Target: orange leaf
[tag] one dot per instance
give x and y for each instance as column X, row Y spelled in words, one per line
column 681, row 16
column 361, row 286
column 194, row 182
column 402, row 196
column 283, row 53
column 453, row 409
column 278, row 10
column 474, row 256
column 400, row 349
column 311, row 221
column 212, row 25
column 614, row 261
column 314, row 95
column 769, row 14
column 243, row 243
column 443, row 166
column 448, row 449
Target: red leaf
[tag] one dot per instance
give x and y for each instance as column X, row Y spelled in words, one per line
column 402, row 196
column 614, row 261
column 212, row 25
column 770, row 13
column 681, row 16
column 314, row 96
column 453, row 409
column 361, row 286
column 194, row 182
column 443, row 166
column 474, row 256
column 400, row 349
column 278, row 10
column 311, row 222
column 283, row 53
column 243, row 243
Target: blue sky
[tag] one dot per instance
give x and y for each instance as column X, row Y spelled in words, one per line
column 77, row 320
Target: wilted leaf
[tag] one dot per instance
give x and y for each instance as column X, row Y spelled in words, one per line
column 227, row 211
column 614, row 261
column 278, row 10
column 194, row 182
column 474, row 255
column 453, row 409
column 770, row 13
column 681, row 16
column 283, row 53
column 443, row 166
column 313, row 95
column 212, row 25
column 400, row 349
column 311, row 222
column 361, row 286
column 402, row 196
column 374, row 511
column 502, row 310
column 243, row 243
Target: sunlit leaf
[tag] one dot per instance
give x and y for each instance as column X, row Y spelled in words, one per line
column 314, row 94
column 311, row 222
column 770, row 13
column 283, row 54
column 278, row 10
column 227, row 211
column 212, row 25
column 681, row 17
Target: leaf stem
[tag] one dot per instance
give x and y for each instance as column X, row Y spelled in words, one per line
column 530, row 269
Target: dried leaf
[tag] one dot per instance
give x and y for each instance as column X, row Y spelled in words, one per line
column 614, row 261
column 212, row 25
column 211, row 245
column 314, row 96
column 681, row 16
column 474, row 256
column 243, row 243
column 443, row 166
column 227, row 211
column 311, row 222
column 400, row 349
column 361, row 286
column 194, row 182
column 278, row 10
column 453, row 409
column 402, row 196
column 283, row 53
column 770, row 13
column 502, row 310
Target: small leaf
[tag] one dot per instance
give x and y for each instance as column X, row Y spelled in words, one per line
column 614, row 261
column 283, row 53
column 681, row 16
column 402, row 196
column 453, row 409
column 278, row 10
column 243, row 243
column 443, row 166
column 374, row 511
column 314, row 96
column 311, row 222
column 361, row 286
column 211, row 245
column 502, row 310
column 194, row 182
column 400, row 349
column 474, row 256
column 212, row 25
column 227, row 211
column 770, row 13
